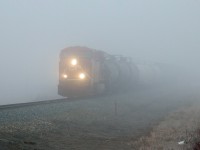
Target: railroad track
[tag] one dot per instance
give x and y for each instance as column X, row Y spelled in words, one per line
column 43, row 102
column 72, row 99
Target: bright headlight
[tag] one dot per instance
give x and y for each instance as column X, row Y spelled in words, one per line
column 74, row 62
column 65, row 76
column 82, row 76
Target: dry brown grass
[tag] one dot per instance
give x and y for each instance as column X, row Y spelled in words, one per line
column 182, row 125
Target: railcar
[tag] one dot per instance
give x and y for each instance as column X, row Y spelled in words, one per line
column 86, row 71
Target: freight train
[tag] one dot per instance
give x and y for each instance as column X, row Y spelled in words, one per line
column 85, row 71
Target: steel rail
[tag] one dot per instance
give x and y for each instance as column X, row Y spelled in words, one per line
column 34, row 103
column 44, row 102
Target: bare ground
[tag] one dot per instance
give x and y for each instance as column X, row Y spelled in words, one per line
column 106, row 123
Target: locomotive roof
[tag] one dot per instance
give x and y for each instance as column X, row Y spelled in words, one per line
column 81, row 49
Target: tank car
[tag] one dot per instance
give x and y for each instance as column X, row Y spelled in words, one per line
column 86, row 71
column 149, row 74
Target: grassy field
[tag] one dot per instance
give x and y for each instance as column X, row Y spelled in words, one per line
column 180, row 126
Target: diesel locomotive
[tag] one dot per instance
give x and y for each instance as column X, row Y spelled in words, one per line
column 86, row 71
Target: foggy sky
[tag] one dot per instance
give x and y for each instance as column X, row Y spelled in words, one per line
column 33, row 32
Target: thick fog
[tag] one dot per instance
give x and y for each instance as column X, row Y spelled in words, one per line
column 33, row 32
